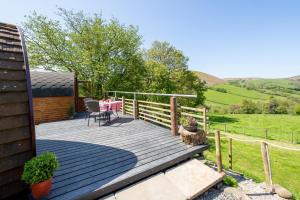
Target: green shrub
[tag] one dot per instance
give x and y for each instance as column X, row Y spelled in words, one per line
column 223, row 90
column 297, row 109
column 230, row 181
column 40, row 168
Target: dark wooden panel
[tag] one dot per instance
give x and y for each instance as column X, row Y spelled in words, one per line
column 7, row 86
column 10, row 42
column 10, row 48
column 14, row 161
column 10, row 176
column 12, row 65
column 6, row 35
column 14, row 134
column 13, row 97
column 11, row 189
column 11, row 56
column 10, row 32
column 15, row 147
column 12, row 75
column 13, row 122
column 13, row 109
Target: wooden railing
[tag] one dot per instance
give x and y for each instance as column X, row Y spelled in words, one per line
column 163, row 114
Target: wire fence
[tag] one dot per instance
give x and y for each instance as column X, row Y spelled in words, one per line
column 266, row 133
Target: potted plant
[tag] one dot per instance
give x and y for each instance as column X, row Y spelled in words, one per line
column 190, row 133
column 38, row 173
column 189, row 123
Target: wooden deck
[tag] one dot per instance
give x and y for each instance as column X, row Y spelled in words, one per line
column 96, row 161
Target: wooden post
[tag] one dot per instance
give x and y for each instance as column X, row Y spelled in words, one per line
column 205, row 120
column 135, row 109
column 292, row 137
column 218, row 151
column 266, row 134
column 174, row 124
column 230, row 152
column 266, row 163
column 123, row 105
column 225, row 128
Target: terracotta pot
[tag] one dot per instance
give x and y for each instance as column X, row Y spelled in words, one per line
column 41, row 189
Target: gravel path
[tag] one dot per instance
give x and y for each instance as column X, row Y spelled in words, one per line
column 247, row 190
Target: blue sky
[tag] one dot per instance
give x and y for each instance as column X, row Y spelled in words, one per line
column 226, row 38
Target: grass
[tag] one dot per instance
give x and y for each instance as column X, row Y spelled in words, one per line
column 247, row 160
column 235, row 95
column 278, row 127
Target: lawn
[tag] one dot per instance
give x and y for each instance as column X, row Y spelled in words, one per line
column 275, row 127
column 247, row 160
column 235, row 95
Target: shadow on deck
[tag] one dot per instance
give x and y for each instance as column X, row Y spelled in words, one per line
column 95, row 161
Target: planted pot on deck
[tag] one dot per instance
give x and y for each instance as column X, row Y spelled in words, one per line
column 38, row 173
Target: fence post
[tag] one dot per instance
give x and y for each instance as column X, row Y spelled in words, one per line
column 205, row 119
column 123, row 105
column 266, row 163
column 225, row 128
column 174, row 124
column 266, row 134
column 292, row 137
column 135, row 109
column 218, row 151
column 230, row 152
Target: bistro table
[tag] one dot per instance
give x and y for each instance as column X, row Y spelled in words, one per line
column 110, row 106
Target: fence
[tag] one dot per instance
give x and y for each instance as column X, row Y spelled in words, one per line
column 166, row 115
column 259, row 159
column 266, row 133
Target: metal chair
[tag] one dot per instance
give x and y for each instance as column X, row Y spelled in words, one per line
column 86, row 108
column 93, row 109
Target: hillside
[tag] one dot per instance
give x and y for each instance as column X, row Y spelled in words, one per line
column 209, row 79
column 296, row 78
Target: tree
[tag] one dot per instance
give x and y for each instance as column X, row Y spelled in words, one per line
column 106, row 53
column 248, row 107
column 167, row 72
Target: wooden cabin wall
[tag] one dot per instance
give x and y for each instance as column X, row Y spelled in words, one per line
column 48, row 109
column 17, row 137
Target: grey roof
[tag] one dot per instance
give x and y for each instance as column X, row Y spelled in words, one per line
column 52, row 84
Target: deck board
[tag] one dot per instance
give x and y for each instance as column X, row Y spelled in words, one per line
column 95, row 161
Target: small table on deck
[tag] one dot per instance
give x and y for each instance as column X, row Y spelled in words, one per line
column 111, row 106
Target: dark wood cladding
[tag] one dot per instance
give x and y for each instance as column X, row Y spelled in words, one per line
column 17, row 135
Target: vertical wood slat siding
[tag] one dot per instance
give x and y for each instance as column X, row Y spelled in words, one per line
column 17, row 137
column 49, row 109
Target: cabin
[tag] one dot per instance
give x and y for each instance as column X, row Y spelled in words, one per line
column 53, row 95
column 17, row 132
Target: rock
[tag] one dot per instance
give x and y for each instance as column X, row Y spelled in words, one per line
column 238, row 193
column 282, row 192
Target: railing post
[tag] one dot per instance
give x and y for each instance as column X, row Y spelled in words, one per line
column 205, row 119
column 218, row 151
column 230, row 152
column 266, row 163
column 174, row 124
column 135, row 109
column 123, row 105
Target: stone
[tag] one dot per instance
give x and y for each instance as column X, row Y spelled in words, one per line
column 157, row 187
column 282, row 192
column 192, row 138
column 193, row 178
column 238, row 193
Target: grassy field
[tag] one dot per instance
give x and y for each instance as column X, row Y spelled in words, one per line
column 235, row 95
column 247, row 160
column 276, row 127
